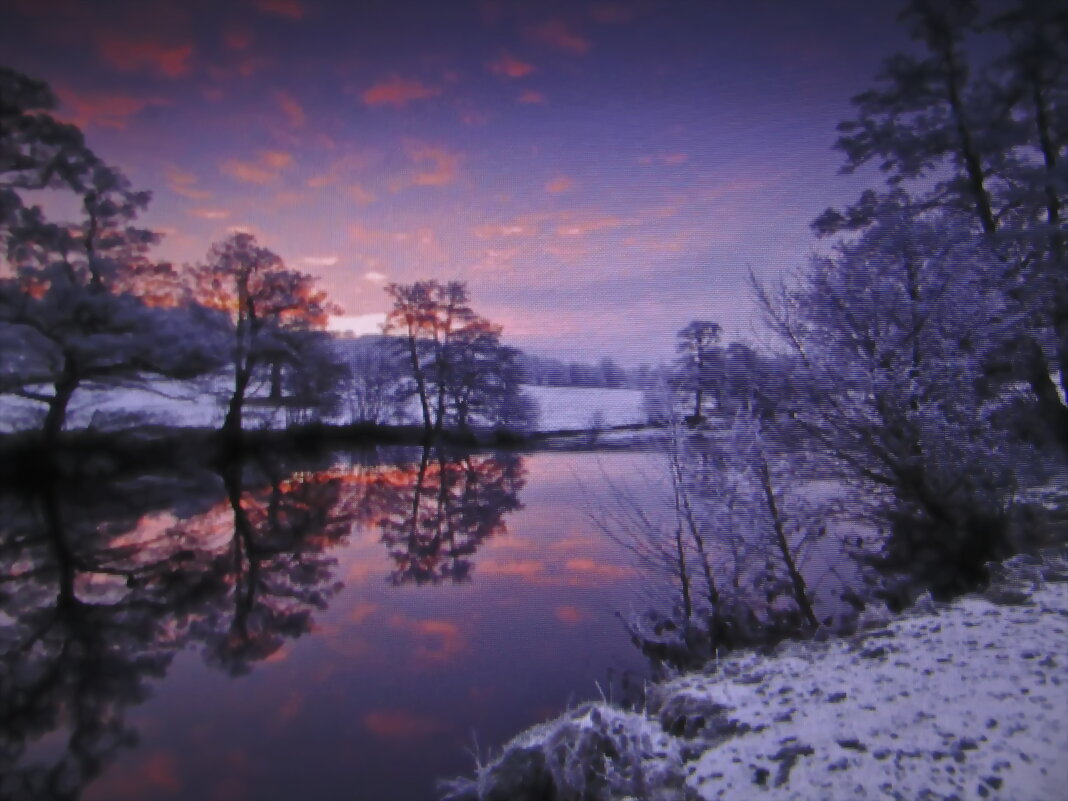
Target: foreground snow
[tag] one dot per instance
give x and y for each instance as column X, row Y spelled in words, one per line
column 960, row 701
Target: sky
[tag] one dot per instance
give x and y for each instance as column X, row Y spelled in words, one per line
column 599, row 173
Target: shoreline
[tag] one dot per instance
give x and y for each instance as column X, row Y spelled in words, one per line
column 961, row 700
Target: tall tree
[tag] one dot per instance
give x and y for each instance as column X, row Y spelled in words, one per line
column 269, row 305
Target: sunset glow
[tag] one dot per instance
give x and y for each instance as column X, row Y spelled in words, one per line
column 599, row 173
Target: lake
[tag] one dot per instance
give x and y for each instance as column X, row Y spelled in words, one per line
column 345, row 628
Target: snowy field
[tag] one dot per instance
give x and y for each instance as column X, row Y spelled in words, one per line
column 184, row 405
column 959, row 701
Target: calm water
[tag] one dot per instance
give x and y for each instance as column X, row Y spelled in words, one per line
column 342, row 629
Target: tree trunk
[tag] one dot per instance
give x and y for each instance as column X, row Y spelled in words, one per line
column 796, row 580
column 420, row 383
column 232, row 424
column 65, row 386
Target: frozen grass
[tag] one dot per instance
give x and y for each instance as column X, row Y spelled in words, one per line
column 959, row 701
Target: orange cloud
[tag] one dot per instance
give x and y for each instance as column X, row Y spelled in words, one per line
column 209, row 214
column 291, row 108
column 556, row 34
column 397, row 92
column 523, row 568
column 291, row 9
column 396, row 724
column 560, row 183
column 130, row 55
column 530, row 96
column 104, row 111
column 511, row 67
column 569, row 614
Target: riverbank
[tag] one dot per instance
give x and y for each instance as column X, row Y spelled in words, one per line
column 965, row 700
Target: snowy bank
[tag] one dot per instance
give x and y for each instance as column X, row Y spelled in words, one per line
column 966, row 700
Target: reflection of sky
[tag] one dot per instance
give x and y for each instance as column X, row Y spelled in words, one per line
column 382, row 698
column 601, row 172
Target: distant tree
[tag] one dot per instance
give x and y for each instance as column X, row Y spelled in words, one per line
column 82, row 304
column 376, row 386
column 699, row 361
column 271, row 309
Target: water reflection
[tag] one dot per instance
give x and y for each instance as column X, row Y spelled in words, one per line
column 106, row 576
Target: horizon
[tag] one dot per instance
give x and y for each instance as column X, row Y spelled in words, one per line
column 598, row 173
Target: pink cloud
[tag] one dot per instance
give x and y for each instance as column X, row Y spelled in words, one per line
column 209, row 214
column 264, row 170
column 511, row 67
column 561, row 183
column 397, row 92
column 104, row 110
column 572, row 615
column 442, row 165
column 611, row 13
column 396, row 724
column 290, row 9
column 530, row 96
column 238, row 39
column 291, row 108
column 133, row 55
column 360, row 195
column 557, row 35
column 589, row 225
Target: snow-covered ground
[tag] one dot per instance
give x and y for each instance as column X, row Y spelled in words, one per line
column 186, row 405
column 960, row 701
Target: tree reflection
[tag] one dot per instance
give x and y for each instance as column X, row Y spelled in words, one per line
column 435, row 515
column 90, row 608
column 105, row 576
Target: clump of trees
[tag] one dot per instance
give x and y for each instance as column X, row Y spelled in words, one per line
column 83, row 305
column 917, row 380
column 461, row 374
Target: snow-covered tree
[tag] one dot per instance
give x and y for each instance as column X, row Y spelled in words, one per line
column 892, row 335
column 270, row 307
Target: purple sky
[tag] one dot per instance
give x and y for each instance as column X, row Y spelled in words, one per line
column 599, row 172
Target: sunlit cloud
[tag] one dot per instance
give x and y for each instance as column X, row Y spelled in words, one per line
column 511, row 67
column 442, row 166
column 264, row 170
column 377, row 277
column 561, row 183
column 290, row 9
column 531, row 96
column 134, row 55
column 238, row 39
column 595, row 568
column 612, row 13
column 395, row 724
column 209, row 214
column 291, row 108
column 357, row 324
column 320, row 261
column 572, row 615
column 103, row 110
column 359, row 194
column 582, row 227
column 397, row 92
column 185, row 184
column 559, row 36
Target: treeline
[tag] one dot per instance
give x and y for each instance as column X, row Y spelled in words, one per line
column 911, row 404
